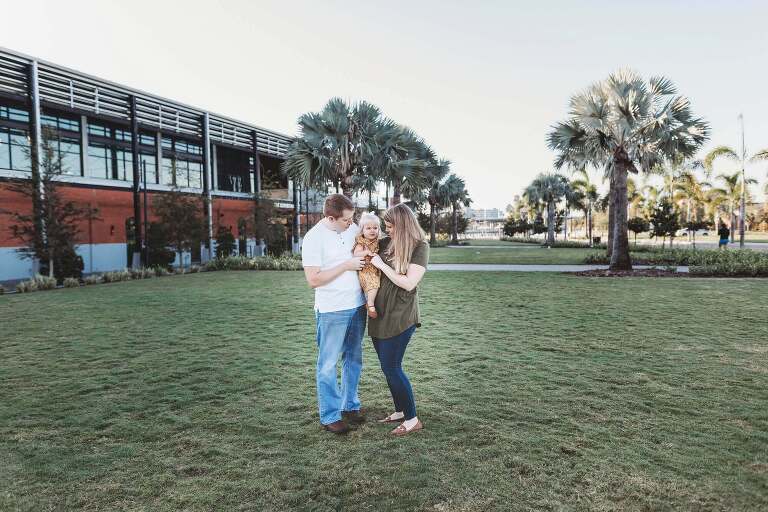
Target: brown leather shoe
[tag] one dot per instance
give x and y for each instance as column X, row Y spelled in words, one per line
column 353, row 417
column 337, row 427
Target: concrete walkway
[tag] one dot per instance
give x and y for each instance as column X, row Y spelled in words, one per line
column 530, row 268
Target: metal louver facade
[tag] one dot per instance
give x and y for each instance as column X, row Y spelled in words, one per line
column 69, row 89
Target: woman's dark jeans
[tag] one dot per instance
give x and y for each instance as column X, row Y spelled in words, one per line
column 391, row 352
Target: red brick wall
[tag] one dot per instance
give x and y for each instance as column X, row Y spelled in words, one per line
column 114, row 207
column 226, row 212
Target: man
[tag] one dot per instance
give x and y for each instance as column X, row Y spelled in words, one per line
column 332, row 271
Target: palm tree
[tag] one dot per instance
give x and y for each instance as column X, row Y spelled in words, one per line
column 731, row 191
column 731, row 154
column 589, row 190
column 549, row 189
column 625, row 124
column 454, row 190
column 689, row 189
column 343, row 141
column 434, row 173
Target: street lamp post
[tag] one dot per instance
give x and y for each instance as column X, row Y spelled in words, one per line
column 743, row 205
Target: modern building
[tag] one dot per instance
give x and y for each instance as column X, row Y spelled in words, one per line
column 485, row 223
column 120, row 147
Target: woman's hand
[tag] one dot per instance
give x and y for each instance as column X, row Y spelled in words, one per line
column 378, row 262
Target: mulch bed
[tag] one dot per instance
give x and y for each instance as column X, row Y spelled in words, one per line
column 651, row 272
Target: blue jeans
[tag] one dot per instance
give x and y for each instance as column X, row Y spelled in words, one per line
column 391, row 352
column 339, row 333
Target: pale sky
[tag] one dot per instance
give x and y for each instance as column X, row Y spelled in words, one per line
column 481, row 81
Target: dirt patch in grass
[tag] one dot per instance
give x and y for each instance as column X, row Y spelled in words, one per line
column 650, row 272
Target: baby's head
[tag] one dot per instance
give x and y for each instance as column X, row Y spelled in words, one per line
column 370, row 226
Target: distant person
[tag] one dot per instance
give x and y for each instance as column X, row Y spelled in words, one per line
column 725, row 235
column 331, row 269
column 402, row 259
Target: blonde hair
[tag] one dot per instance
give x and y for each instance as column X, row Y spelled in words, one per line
column 407, row 235
column 368, row 218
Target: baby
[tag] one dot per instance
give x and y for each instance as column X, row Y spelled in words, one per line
column 367, row 244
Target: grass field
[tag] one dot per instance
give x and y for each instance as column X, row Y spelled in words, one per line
column 526, row 254
column 494, row 243
column 538, row 391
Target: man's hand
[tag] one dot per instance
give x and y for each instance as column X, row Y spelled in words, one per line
column 355, row 263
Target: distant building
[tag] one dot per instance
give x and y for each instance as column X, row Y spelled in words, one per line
column 485, row 222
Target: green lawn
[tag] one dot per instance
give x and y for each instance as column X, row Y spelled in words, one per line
column 538, row 391
column 527, row 254
column 495, row 243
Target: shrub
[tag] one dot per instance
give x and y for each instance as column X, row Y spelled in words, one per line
column 71, row 282
column 161, row 271
column 194, row 269
column 44, row 282
column 26, row 287
column 2, row 289
column 708, row 262
column 286, row 261
column 116, row 276
column 93, row 279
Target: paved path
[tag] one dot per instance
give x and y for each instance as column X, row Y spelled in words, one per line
column 529, row 268
column 526, row 246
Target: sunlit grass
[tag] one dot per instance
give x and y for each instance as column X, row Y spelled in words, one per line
column 538, row 391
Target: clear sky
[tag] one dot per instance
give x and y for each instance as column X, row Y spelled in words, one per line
column 481, row 81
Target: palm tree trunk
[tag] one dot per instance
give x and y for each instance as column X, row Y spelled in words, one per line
column 455, row 234
column 620, row 255
column 386, row 196
column 589, row 223
column 395, row 193
column 550, row 224
column 432, row 224
column 611, row 214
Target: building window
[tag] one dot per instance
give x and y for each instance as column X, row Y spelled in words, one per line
column 146, row 139
column 148, row 164
column 60, row 123
column 14, row 150
column 182, row 163
column 99, row 161
column 14, row 114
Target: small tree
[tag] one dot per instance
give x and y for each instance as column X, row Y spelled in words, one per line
column 665, row 221
column 157, row 247
column 225, row 242
column 638, row 225
column 49, row 232
column 180, row 216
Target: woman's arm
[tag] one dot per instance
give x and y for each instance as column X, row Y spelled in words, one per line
column 407, row 281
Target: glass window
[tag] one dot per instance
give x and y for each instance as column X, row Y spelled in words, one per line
column 149, row 165
column 167, row 143
column 146, row 139
column 5, row 150
column 123, row 135
column 195, row 174
column 99, row 161
column 98, row 130
column 124, row 167
column 70, row 156
column 60, row 123
column 166, row 177
column 14, row 114
column 14, row 150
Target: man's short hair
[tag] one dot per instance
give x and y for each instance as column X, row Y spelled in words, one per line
column 335, row 204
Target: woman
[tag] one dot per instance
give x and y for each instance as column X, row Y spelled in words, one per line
column 402, row 259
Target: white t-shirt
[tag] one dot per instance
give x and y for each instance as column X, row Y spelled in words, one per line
column 325, row 248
